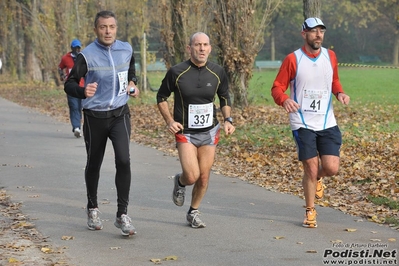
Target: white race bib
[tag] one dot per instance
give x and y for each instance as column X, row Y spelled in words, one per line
column 200, row 115
column 315, row 101
column 122, row 76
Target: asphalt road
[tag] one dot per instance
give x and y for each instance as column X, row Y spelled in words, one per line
column 42, row 165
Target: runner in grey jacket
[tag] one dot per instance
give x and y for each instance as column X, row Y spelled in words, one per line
column 107, row 66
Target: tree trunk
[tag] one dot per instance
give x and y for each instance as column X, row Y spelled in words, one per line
column 33, row 70
column 240, row 30
column 311, row 8
column 143, row 71
column 59, row 21
column 179, row 40
column 395, row 54
column 272, row 45
column 29, row 58
column 181, row 18
column 3, row 41
column 19, row 37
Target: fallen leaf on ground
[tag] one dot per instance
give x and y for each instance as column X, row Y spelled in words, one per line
column 156, row 261
column 13, row 260
column 170, row 258
column 46, row 250
column 25, row 225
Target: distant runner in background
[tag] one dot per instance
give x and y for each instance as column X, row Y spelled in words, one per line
column 74, row 104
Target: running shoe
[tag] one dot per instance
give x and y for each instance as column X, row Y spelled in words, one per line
column 76, row 132
column 178, row 192
column 93, row 221
column 310, row 218
column 320, row 189
column 194, row 221
column 125, row 224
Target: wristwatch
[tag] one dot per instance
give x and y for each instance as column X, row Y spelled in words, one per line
column 229, row 119
column 134, row 79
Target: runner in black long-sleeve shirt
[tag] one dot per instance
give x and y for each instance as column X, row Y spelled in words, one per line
column 195, row 84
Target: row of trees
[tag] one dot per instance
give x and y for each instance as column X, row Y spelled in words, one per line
column 35, row 33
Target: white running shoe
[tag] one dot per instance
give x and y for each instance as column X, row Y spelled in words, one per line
column 77, row 133
column 194, row 221
column 178, row 192
column 93, row 221
column 125, row 224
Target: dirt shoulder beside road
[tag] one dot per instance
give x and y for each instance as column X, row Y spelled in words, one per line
column 20, row 242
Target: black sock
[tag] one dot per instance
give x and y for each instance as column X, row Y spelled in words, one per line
column 91, row 207
column 191, row 209
column 178, row 181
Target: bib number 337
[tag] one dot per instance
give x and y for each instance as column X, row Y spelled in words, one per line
column 200, row 115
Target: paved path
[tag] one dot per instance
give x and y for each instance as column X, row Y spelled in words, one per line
column 41, row 164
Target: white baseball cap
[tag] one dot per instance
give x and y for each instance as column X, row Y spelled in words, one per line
column 311, row 23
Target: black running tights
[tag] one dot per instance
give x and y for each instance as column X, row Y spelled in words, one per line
column 96, row 133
